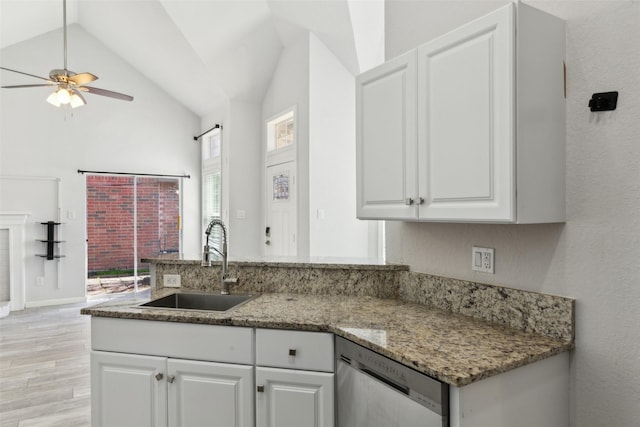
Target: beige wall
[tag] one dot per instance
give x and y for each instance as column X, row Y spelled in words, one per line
column 593, row 257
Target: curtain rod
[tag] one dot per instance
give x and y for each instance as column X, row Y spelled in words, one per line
column 80, row 171
column 217, row 126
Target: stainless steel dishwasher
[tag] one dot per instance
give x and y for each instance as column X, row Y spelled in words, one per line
column 375, row 391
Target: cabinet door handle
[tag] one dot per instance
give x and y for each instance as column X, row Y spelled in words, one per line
column 292, row 352
column 171, row 379
column 420, row 200
column 159, row 376
column 260, row 389
column 408, row 201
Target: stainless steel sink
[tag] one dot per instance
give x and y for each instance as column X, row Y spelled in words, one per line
column 206, row 302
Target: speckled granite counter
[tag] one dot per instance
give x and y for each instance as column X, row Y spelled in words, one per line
column 451, row 347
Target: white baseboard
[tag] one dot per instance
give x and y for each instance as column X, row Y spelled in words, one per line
column 58, row 301
column 5, row 308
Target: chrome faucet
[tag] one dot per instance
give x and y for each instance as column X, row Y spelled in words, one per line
column 225, row 281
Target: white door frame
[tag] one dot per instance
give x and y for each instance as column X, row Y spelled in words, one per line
column 275, row 158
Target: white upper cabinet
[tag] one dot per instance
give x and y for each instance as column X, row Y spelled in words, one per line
column 386, row 140
column 489, row 120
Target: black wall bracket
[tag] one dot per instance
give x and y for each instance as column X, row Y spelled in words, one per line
column 604, row 101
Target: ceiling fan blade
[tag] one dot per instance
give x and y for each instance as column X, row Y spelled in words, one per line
column 26, row 74
column 104, row 92
column 82, row 78
column 18, row 86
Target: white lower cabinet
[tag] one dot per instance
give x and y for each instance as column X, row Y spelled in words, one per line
column 294, row 379
column 291, row 398
column 169, row 374
column 209, row 394
column 535, row 395
column 125, row 391
column 137, row 391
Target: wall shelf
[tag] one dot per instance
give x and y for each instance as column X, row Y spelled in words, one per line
column 51, row 241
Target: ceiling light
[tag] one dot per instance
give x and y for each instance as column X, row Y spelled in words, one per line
column 64, row 96
column 53, row 99
column 76, row 100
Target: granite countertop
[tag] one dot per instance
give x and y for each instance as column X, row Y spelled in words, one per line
column 453, row 348
column 288, row 262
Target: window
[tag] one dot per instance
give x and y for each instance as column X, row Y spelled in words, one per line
column 281, row 131
column 212, row 181
column 211, row 146
column 281, row 187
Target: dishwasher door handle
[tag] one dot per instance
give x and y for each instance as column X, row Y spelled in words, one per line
column 387, row 381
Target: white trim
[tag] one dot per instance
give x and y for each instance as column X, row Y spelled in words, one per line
column 277, row 157
column 15, row 223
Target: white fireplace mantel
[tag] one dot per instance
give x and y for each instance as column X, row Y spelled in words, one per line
column 15, row 223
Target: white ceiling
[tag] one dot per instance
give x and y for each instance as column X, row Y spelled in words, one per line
column 205, row 51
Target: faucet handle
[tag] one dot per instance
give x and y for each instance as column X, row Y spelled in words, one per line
column 227, row 282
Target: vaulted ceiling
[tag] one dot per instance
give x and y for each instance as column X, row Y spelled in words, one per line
column 205, row 51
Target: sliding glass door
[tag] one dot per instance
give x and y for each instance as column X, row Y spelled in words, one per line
column 129, row 218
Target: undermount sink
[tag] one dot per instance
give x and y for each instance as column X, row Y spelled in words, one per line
column 206, row 302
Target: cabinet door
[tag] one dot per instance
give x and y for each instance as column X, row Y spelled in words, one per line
column 128, row 390
column 292, row 398
column 209, row 394
column 386, row 140
column 466, row 135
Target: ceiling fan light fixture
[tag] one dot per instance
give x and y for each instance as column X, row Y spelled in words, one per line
column 63, row 96
column 53, row 99
column 68, row 84
column 76, row 100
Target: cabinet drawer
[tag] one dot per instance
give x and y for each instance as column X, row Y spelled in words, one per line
column 212, row 343
column 295, row 350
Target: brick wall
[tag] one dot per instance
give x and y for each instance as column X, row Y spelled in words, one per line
column 110, row 220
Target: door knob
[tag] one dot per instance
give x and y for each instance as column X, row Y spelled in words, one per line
column 159, row 376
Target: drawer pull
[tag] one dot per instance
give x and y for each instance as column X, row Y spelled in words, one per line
column 292, row 352
column 260, row 389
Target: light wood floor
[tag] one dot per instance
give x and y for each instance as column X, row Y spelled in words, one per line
column 44, row 367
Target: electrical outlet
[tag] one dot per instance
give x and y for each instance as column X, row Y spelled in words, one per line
column 40, row 281
column 482, row 259
column 171, row 280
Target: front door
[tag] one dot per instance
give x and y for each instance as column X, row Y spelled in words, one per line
column 281, row 220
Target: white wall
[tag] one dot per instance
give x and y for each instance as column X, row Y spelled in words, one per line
column 593, row 257
column 152, row 134
column 290, row 87
column 241, row 175
column 244, row 166
column 334, row 229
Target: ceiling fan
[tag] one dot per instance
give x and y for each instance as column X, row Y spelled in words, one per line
column 68, row 84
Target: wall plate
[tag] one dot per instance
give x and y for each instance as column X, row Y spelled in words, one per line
column 482, row 259
column 171, row 280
